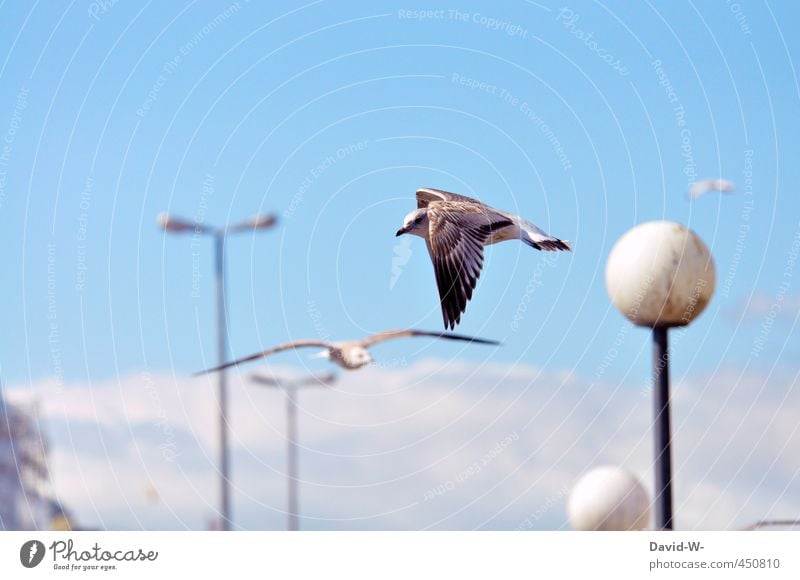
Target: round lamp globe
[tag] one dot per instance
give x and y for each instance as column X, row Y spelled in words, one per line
column 608, row 498
column 660, row 274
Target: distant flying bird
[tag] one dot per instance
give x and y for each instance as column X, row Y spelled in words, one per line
column 349, row 354
column 704, row 186
column 456, row 228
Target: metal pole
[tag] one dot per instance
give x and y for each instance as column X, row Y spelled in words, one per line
column 222, row 352
column 292, row 511
column 661, row 419
column 176, row 225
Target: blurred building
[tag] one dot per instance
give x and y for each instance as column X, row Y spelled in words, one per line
column 27, row 501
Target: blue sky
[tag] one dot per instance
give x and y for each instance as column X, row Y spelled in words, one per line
column 587, row 118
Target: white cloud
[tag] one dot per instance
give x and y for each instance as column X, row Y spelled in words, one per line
column 439, row 444
column 760, row 306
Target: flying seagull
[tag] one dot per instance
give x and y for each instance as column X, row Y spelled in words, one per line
column 456, row 228
column 703, row 186
column 348, row 354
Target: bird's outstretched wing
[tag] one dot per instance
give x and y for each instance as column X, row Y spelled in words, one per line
column 269, row 351
column 458, row 232
column 427, row 195
column 392, row 334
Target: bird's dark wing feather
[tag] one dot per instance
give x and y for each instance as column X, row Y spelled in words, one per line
column 458, row 232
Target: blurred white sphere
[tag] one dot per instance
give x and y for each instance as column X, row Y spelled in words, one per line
column 660, row 274
column 608, row 498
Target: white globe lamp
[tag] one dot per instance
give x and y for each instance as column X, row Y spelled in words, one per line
column 660, row 274
column 608, row 498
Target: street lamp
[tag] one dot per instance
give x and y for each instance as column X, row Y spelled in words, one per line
column 659, row 275
column 291, row 388
column 176, row 225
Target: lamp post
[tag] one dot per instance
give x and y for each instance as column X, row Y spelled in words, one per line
column 291, row 389
column 660, row 275
column 175, row 225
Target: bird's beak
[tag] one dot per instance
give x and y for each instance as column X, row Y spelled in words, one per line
column 401, row 231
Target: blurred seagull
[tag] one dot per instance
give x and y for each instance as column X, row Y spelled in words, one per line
column 704, row 186
column 456, row 228
column 348, row 354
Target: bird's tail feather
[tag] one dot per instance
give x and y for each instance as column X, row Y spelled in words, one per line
column 537, row 238
column 548, row 244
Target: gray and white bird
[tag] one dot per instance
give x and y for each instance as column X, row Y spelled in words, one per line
column 349, row 354
column 456, row 228
column 704, row 186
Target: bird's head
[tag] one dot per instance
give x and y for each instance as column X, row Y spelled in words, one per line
column 415, row 223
